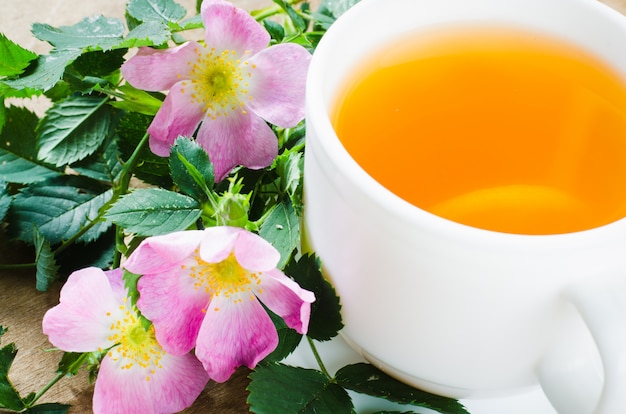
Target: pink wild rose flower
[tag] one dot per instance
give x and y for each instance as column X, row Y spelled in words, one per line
column 136, row 375
column 204, row 288
column 230, row 85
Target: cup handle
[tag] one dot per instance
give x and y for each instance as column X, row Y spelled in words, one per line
column 568, row 375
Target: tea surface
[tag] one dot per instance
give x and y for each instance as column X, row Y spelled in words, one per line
column 495, row 128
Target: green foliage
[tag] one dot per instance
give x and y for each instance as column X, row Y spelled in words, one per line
column 18, row 150
column 10, row 398
column 367, row 379
column 104, row 165
column 73, row 129
column 338, row 7
column 14, row 59
column 152, row 169
column 47, row 72
column 191, row 169
column 277, row 388
column 282, row 229
column 325, row 322
column 46, row 264
column 5, row 200
column 136, row 100
column 91, row 33
column 150, row 212
column 148, row 33
column 156, row 10
column 288, row 339
column 61, row 208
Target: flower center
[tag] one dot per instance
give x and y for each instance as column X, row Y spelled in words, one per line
column 227, row 278
column 219, row 82
column 136, row 345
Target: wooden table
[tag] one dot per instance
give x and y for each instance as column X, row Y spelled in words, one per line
column 22, row 307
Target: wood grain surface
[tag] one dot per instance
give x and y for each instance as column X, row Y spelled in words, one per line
column 21, row 306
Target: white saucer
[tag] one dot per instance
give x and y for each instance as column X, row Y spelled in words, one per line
column 337, row 353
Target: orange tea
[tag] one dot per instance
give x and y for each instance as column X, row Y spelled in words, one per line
column 494, row 128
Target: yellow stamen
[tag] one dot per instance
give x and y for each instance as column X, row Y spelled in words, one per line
column 136, row 346
column 216, row 79
column 226, row 278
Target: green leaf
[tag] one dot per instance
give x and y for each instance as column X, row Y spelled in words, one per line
column 154, row 211
column 73, row 129
column 277, row 388
column 296, row 19
column 104, row 165
column 288, row 339
column 14, row 59
column 98, row 253
column 18, row 152
column 136, row 100
column 3, row 111
column 148, row 33
column 48, row 71
column 275, row 29
column 47, row 269
column 48, row 408
column 59, row 207
column 156, row 10
column 191, row 169
column 9, row 397
column 325, row 322
column 339, row 7
column 99, row 63
column 152, row 169
column 282, row 229
column 130, row 283
column 367, row 379
column 5, row 201
column 290, row 168
column 91, row 33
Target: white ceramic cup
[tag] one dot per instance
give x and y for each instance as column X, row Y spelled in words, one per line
column 452, row 309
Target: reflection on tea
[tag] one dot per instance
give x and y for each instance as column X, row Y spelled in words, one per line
column 495, row 128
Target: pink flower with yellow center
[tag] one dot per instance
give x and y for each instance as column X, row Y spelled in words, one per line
column 204, row 289
column 136, row 375
column 230, row 85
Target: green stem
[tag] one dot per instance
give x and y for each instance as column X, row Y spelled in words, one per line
column 45, row 389
column 318, row 358
column 270, row 11
column 78, row 363
column 122, row 188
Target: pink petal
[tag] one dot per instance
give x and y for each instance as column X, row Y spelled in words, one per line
column 81, row 321
column 278, row 84
column 158, row 253
column 255, row 253
column 175, row 307
column 170, row 389
column 158, row 70
column 234, row 334
column 231, row 28
column 178, row 116
column 218, row 243
column 286, row 298
column 237, row 139
column 115, row 277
